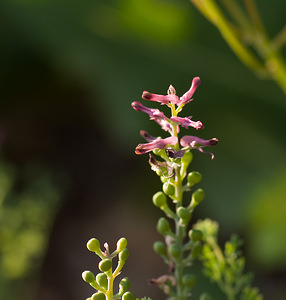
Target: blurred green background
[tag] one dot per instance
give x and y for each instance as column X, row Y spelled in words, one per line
column 69, row 72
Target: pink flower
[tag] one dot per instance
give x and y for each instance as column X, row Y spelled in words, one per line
column 163, row 99
column 154, row 143
column 155, row 114
column 171, row 97
column 186, row 98
column 197, row 143
column 186, row 122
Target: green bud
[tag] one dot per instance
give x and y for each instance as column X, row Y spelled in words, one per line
column 88, row 276
column 174, row 250
column 160, row 248
column 205, row 296
column 163, row 226
column 102, row 280
column 168, row 188
column 98, row 296
column 105, row 265
column 194, row 178
column 128, row 296
column 93, row 245
column 123, row 255
column 198, row 196
column 195, row 235
column 183, row 213
column 124, row 285
column 187, row 158
column 121, row 244
column 197, row 250
column 159, row 172
column 159, row 199
column 189, row 280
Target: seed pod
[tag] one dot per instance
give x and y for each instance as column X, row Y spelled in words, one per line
column 189, row 280
column 121, row 244
column 88, row 276
column 123, row 255
column 160, row 248
column 168, row 188
column 183, row 213
column 195, row 235
column 198, row 196
column 194, row 178
column 105, row 265
column 102, row 280
column 124, row 285
column 187, row 158
column 98, row 296
column 174, row 250
column 93, row 245
column 128, row 296
column 163, row 226
column 159, row 199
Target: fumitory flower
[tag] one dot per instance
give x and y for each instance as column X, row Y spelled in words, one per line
column 154, row 143
column 186, row 122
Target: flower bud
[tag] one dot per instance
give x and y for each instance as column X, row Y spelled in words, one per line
column 124, row 285
column 93, row 245
column 98, row 296
column 195, row 235
column 88, row 276
column 183, row 213
column 163, row 179
column 121, row 244
column 189, row 280
column 159, row 199
column 123, row 255
column 160, row 248
column 168, row 188
column 194, row 178
column 105, row 265
column 163, row 226
column 174, row 250
column 128, row 296
column 187, row 158
column 102, row 280
column 198, row 196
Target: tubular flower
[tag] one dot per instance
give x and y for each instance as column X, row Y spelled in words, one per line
column 186, row 122
column 155, row 114
column 172, row 97
column 186, row 98
column 157, row 143
column 197, row 143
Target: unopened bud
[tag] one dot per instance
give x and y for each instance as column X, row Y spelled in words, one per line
column 159, row 199
column 93, row 245
column 194, row 178
column 160, row 248
column 121, row 244
column 105, row 265
column 183, row 213
column 88, row 276
column 168, row 188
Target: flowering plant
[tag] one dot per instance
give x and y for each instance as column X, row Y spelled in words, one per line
column 182, row 244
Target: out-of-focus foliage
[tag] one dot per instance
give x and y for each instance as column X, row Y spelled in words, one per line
column 29, row 202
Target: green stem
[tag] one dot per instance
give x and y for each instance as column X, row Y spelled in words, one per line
column 109, row 294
